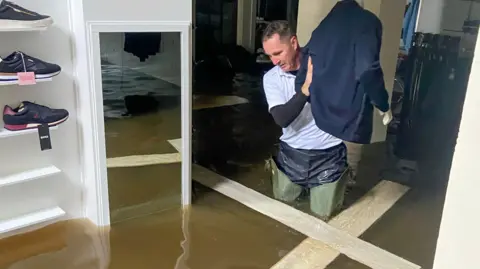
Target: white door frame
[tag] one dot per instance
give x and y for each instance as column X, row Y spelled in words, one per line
column 94, row 175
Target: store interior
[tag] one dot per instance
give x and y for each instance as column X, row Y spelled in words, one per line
column 233, row 135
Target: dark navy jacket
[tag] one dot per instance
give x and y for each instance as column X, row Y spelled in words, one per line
column 347, row 77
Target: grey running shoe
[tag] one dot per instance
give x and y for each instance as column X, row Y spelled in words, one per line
column 13, row 16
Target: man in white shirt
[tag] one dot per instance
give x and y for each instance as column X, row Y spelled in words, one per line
column 308, row 158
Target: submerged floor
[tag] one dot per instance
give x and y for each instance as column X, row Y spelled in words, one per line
column 216, row 233
column 233, row 140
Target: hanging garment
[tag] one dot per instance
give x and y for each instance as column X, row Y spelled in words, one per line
column 142, row 45
column 409, row 23
column 347, row 76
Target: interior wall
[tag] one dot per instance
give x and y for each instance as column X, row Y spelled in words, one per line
column 138, row 10
column 22, row 152
column 310, row 14
column 164, row 65
column 246, row 23
column 457, row 245
column 391, row 14
column 456, row 12
column 430, row 16
column 454, row 15
column 447, row 17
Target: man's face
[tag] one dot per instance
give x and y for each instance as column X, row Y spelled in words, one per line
column 282, row 52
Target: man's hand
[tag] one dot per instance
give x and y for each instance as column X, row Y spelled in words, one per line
column 308, row 78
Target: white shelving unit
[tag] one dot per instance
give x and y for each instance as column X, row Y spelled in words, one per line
column 6, row 133
column 30, row 189
column 38, row 80
column 34, row 218
column 29, row 175
column 23, row 29
column 35, row 196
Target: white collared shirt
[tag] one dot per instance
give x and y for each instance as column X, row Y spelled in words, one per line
column 302, row 133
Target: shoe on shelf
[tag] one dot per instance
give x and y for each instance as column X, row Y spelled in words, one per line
column 29, row 115
column 13, row 16
column 18, row 62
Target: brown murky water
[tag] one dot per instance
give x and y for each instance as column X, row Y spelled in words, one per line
column 215, row 233
column 150, row 231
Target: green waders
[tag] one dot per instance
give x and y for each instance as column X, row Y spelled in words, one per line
column 325, row 200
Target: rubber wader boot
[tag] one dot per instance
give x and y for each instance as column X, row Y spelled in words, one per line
column 327, row 199
column 283, row 189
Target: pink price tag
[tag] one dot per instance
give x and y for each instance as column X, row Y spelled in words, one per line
column 26, row 78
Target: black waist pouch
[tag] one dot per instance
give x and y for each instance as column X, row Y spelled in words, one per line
column 312, row 168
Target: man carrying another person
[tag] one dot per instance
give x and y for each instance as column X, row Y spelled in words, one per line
column 308, row 158
column 347, row 76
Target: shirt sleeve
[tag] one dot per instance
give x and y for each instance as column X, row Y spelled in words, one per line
column 368, row 70
column 273, row 92
column 285, row 114
column 284, row 110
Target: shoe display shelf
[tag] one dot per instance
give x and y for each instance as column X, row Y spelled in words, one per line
column 26, row 204
column 4, row 133
column 6, row 83
column 33, row 217
column 23, row 28
column 27, row 211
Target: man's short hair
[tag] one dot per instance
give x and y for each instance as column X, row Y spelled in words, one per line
column 282, row 28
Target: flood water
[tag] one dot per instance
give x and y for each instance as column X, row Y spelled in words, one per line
column 215, row 233
column 150, row 230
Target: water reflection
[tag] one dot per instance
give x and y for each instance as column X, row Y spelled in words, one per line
column 225, row 135
column 216, row 233
column 72, row 245
column 185, row 244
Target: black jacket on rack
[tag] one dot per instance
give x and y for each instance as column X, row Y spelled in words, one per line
column 142, row 45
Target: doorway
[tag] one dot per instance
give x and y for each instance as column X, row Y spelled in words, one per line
column 142, row 87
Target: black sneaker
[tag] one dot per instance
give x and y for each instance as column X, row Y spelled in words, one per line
column 20, row 62
column 13, row 16
column 29, row 115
